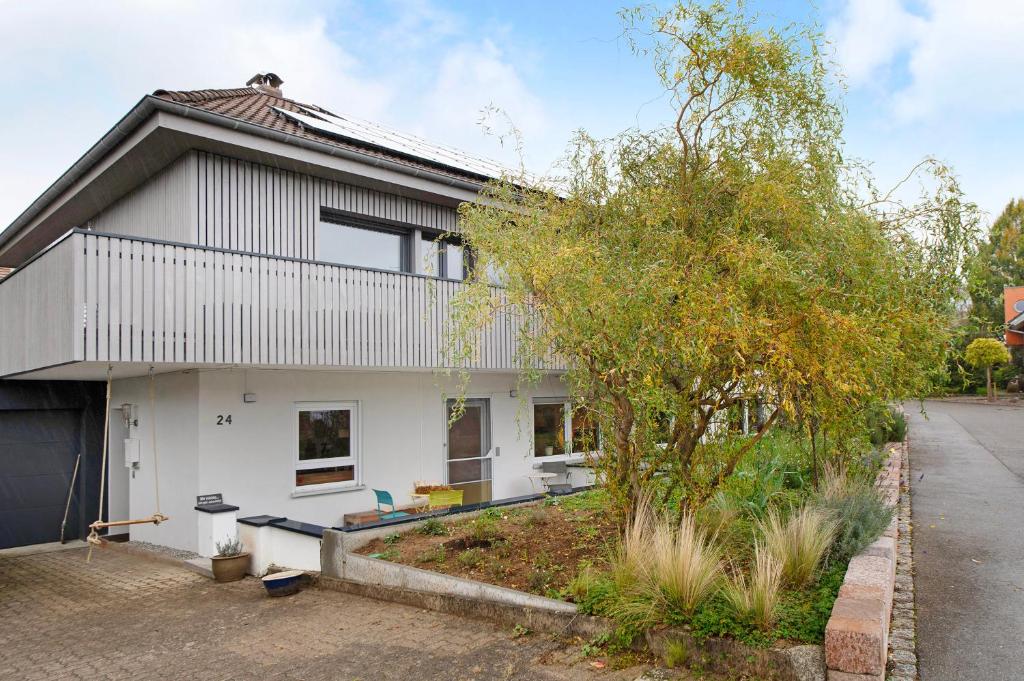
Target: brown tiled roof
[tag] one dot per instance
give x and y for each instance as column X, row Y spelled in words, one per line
column 254, row 106
column 4, row 271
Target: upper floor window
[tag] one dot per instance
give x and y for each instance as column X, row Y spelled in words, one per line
column 364, row 246
column 443, row 258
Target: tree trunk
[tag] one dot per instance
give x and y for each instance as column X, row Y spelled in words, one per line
column 988, row 381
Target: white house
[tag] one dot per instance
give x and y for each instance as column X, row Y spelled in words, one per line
column 278, row 269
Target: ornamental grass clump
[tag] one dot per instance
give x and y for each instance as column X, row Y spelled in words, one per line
column 756, row 599
column 799, row 543
column 660, row 566
column 687, row 562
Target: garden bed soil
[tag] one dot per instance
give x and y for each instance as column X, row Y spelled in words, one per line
column 536, row 548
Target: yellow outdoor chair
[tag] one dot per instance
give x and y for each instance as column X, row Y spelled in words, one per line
column 445, row 498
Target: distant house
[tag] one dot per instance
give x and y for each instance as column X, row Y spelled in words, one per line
column 1013, row 308
column 284, row 272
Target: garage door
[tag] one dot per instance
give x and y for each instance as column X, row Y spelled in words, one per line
column 37, row 457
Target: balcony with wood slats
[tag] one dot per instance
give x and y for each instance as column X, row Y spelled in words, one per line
column 112, row 300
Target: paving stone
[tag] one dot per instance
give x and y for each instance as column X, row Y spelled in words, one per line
column 903, row 657
column 128, row 617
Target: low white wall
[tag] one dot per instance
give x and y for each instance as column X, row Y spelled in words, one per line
column 271, row 545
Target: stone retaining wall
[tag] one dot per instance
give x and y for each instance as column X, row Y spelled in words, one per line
column 857, row 634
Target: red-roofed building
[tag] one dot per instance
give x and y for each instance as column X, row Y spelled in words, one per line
column 1013, row 309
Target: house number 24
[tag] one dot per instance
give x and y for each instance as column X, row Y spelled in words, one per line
column 223, row 419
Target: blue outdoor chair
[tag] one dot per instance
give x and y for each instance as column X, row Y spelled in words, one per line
column 384, row 499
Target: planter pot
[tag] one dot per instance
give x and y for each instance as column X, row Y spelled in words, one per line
column 283, row 583
column 230, row 568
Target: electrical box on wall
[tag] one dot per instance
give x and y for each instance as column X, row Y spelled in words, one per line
column 132, row 452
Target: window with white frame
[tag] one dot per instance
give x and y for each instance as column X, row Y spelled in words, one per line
column 327, row 453
column 558, row 429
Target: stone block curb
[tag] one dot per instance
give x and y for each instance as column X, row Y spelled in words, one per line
column 857, row 633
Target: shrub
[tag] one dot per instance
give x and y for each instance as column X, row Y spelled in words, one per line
column 756, row 599
column 433, row 527
column 799, row 543
column 885, row 424
column 860, row 516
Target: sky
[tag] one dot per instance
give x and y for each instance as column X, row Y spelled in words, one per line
column 922, row 77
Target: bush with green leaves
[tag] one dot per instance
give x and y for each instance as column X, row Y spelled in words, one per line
column 885, row 424
column 860, row 516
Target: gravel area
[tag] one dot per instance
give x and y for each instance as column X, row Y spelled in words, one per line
column 177, row 554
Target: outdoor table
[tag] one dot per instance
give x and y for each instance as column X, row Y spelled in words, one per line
column 540, row 477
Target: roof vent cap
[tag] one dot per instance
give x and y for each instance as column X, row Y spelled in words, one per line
column 268, row 83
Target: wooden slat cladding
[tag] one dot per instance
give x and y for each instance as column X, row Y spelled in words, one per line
column 40, row 310
column 249, row 207
column 146, row 301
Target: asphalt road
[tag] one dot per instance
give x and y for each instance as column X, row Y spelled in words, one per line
column 968, row 513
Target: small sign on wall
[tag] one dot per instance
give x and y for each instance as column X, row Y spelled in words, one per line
column 209, row 499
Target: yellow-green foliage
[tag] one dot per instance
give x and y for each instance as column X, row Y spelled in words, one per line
column 728, row 256
column 983, row 353
column 799, row 542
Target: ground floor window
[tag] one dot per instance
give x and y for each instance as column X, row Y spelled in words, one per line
column 559, row 429
column 327, row 445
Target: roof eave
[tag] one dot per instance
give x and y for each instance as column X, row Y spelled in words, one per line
column 151, row 104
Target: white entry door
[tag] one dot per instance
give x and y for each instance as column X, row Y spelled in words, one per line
column 468, row 445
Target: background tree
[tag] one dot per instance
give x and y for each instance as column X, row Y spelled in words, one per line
column 984, row 353
column 727, row 259
column 999, row 262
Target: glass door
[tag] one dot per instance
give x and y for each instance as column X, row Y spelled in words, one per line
column 468, row 446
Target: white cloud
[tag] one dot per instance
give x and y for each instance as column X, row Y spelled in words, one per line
column 869, row 34
column 71, row 70
column 938, row 78
column 950, row 58
column 471, row 78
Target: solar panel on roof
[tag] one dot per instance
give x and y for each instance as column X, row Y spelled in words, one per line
column 381, row 136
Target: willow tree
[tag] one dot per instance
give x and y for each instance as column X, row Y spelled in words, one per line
column 725, row 260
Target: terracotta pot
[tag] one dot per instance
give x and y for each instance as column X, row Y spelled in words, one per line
column 230, row 568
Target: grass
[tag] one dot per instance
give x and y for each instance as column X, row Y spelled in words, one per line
column 799, row 542
column 757, row 598
column 660, row 566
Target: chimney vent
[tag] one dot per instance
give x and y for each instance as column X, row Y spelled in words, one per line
column 268, row 83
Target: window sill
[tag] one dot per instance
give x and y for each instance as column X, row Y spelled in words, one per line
column 334, row 489
column 567, row 458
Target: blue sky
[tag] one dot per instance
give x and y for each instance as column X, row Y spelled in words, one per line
column 938, row 77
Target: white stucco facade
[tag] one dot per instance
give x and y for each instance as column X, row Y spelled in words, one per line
column 251, row 460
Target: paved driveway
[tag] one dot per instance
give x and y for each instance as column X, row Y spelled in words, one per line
column 123, row 616
column 968, row 513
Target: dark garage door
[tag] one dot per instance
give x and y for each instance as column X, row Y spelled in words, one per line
column 37, row 457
